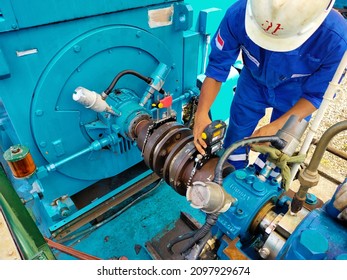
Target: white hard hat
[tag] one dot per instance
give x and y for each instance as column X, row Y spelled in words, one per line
column 284, row 25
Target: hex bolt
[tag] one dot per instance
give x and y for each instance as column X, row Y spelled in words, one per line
column 264, row 253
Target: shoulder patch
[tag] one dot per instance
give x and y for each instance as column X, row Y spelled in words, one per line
column 219, row 41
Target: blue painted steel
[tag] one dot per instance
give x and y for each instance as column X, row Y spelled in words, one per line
column 340, row 4
column 126, row 103
column 127, row 234
column 251, row 194
column 209, row 19
column 311, row 199
column 99, row 201
column 206, row 23
column 19, row 14
column 88, row 45
column 318, row 236
column 183, row 17
column 4, row 69
column 44, row 58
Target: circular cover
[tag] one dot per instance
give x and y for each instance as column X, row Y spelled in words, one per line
column 91, row 60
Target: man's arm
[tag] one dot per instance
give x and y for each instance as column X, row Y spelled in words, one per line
column 302, row 109
column 225, row 48
column 209, row 91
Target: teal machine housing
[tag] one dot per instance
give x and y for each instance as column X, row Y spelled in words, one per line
column 47, row 50
column 54, row 52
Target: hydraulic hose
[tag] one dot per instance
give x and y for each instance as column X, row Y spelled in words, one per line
column 148, row 80
column 197, row 250
column 178, row 239
column 312, row 167
column 274, row 140
column 211, row 220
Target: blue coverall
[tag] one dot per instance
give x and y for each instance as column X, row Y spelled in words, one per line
column 272, row 79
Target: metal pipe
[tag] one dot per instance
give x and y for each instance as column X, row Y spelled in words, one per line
column 333, row 150
column 327, row 98
column 70, row 251
column 309, row 177
column 323, row 144
column 94, row 146
column 205, row 56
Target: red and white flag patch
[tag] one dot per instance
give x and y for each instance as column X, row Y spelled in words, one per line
column 219, row 41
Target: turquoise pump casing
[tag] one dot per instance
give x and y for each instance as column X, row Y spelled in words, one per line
column 252, row 194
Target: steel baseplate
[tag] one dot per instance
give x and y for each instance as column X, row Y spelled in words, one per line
column 158, row 246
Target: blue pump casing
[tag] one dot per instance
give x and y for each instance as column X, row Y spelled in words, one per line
column 251, row 194
column 318, row 237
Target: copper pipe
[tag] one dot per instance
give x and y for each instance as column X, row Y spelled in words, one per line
column 68, row 250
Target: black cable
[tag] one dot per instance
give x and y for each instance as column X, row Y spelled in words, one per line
column 211, row 220
column 148, row 80
column 179, row 239
column 200, row 246
column 274, row 140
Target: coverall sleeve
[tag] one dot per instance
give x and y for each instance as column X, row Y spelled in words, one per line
column 316, row 85
column 225, row 47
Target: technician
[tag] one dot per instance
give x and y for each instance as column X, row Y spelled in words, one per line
column 290, row 51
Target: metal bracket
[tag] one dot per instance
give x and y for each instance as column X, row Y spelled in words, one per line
column 183, row 17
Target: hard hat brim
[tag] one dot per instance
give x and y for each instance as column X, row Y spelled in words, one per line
column 278, row 44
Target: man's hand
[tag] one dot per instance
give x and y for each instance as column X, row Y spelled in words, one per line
column 266, row 130
column 209, row 91
column 340, row 202
column 200, row 123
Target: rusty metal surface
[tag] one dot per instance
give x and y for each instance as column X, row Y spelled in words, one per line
column 70, row 251
column 260, row 216
column 155, row 138
column 290, row 193
column 232, row 251
column 164, row 147
column 179, row 164
column 141, row 131
column 179, row 146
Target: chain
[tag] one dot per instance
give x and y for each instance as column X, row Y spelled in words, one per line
column 148, row 133
column 197, row 160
